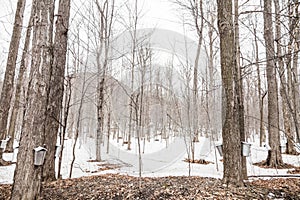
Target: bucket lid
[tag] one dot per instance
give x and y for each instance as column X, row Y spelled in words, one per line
column 39, row 148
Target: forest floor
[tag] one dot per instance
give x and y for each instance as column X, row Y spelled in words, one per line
column 114, row 186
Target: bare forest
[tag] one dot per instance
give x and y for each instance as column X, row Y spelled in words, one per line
column 162, row 99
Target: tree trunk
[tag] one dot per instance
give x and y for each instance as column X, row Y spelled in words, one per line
column 197, row 13
column 262, row 136
column 130, row 123
column 56, row 92
column 231, row 135
column 106, row 18
column 99, row 134
column 138, row 110
column 19, row 84
column 100, row 114
column 80, row 111
column 108, row 127
column 100, row 91
column 291, row 62
column 211, row 105
column 239, row 85
column 76, row 132
column 283, row 84
column 295, row 72
column 27, row 178
column 68, row 95
column 274, row 155
column 133, row 54
column 8, row 82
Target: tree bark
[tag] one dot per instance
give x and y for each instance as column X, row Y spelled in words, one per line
column 108, row 126
column 295, row 72
column 106, row 19
column 291, row 62
column 8, row 82
column 197, row 13
column 262, row 136
column 232, row 158
column 283, row 84
column 19, row 84
column 56, row 92
column 27, row 178
column 239, row 85
column 274, row 155
column 100, row 100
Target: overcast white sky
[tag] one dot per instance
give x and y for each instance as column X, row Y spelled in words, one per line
column 162, row 14
column 156, row 13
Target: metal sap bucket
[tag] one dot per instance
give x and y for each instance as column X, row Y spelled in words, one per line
column 246, row 149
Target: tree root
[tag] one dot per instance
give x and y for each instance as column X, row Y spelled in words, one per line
column 264, row 164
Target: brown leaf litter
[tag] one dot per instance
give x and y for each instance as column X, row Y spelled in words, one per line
column 114, row 186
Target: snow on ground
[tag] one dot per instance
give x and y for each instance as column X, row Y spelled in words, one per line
column 150, row 147
column 161, row 158
column 7, row 172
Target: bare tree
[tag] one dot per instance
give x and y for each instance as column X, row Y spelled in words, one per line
column 143, row 59
column 187, row 104
column 261, row 96
column 19, row 84
column 195, row 9
column 27, row 178
column 292, row 66
column 56, row 91
column 211, row 54
column 274, row 154
column 239, row 83
column 106, row 11
column 79, row 118
column 231, row 135
column 133, row 34
column 287, row 118
column 109, row 120
column 296, row 79
column 8, row 82
column 65, row 116
column 80, row 73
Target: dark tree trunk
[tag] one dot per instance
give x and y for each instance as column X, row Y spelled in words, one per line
column 231, row 135
column 274, row 155
column 239, row 85
column 295, row 70
column 19, row 84
column 100, row 116
column 56, row 92
column 287, row 117
column 27, row 178
column 8, row 82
